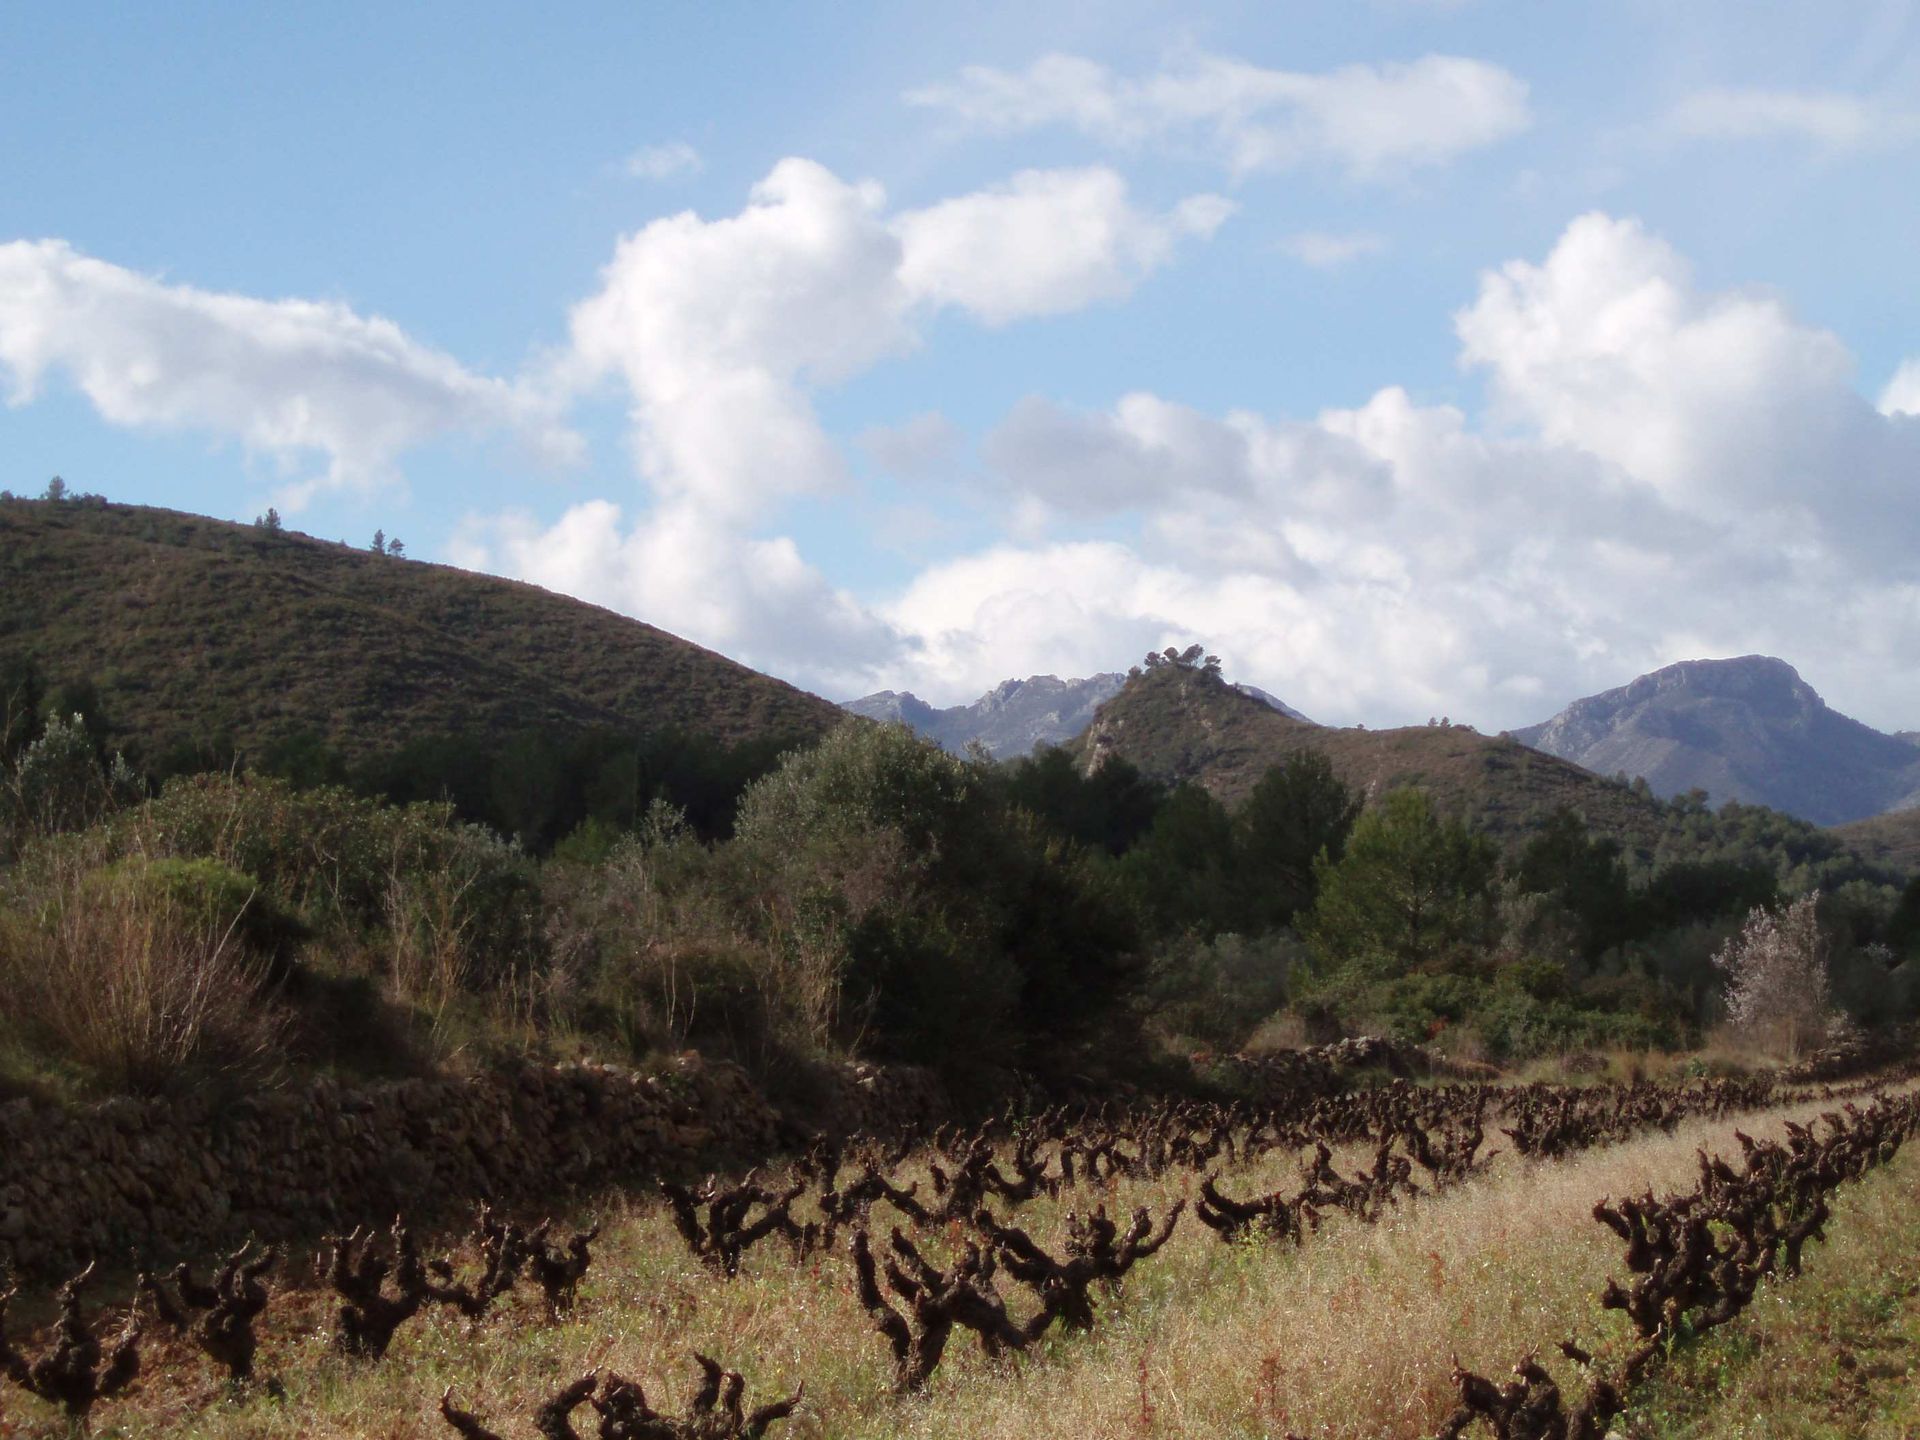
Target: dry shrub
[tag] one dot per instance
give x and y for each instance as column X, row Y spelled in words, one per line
column 135, row 986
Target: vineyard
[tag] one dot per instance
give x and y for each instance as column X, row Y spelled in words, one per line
column 1454, row 1261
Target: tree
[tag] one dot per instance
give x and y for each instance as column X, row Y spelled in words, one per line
column 1585, row 874
column 270, row 522
column 1776, row 969
column 1298, row 811
column 56, row 489
column 1182, row 870
column 395, row 548
column 1413, row 892
column 379, row 546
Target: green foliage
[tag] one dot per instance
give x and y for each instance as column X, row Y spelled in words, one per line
column 540, row 785
column 1500, row 1017
column 1585, row 874
column 211, row 642
column 1217, row 991
column 1903, row 926
column 952, row 928
column 212, row 897
column 1108, row 810
column 1413, row 892
column 1298, row 812
column 352, row 866
column 1185, row 872
column 59, row 782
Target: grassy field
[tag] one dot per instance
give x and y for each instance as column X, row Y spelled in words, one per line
column 1352, row 1335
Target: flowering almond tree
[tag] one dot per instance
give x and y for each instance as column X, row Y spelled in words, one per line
column 1776, row 970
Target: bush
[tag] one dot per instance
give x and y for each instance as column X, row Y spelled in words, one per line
column 908, row 907
column 1217, row 991
column 646, row 946
column 144, row 989
column 211, row 897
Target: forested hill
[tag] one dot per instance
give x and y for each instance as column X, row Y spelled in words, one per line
column 1179, row 723
column 199, row 634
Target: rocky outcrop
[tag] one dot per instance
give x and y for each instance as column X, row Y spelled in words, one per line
column 170, row 1177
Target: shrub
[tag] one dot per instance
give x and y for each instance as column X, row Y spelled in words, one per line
column 1217, row 991
column 145, row 990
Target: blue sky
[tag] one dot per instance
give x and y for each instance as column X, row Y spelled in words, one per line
column 1418, row 357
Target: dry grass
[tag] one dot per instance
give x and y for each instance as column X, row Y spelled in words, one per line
column 1352, row 1335
column 134, row 987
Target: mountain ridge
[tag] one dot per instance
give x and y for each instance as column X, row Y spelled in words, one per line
column 1178, row 724
column 1748, row 729
column 1015, row 716
column 194, row 630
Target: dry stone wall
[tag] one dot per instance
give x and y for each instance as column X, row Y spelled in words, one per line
column 168, row 1177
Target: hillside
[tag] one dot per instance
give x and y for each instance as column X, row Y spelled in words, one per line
column 1176, row 724
column 1748, row 729
column 195, row 629
column 1016, row 715
column 1892, row 840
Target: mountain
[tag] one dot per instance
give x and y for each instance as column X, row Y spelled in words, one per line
column 193, row 630
column 1016, row 715
column 1009, row 719
column 1274, row 701
column 1177, row 723
column 1748, row 729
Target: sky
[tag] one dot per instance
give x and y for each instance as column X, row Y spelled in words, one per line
column 1417, row 357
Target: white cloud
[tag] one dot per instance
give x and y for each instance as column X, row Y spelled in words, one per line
column 1902, row 395
column 1836, row 121
column 723, row 330
column 1721, row 403
column 1047, row 242
column 664, row 161
column 679, row 567
column 1678, row 473
column 1373, row 121
column 1665, row 472
column 1324, row 250
column 286, row 378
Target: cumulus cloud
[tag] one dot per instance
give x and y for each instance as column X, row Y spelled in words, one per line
column 1722, row 403
column 1833, row 120
column 664, row 161
column 1045, row 243
column 1670, row 473
column 1371, row 120
column 722, row 331
column 290, row 379
column 1663, row 471
column 1324, row 250
column 681, row 568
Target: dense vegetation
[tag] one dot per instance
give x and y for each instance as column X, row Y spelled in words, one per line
column 868, row 894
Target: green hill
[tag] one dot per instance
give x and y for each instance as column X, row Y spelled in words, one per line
column 196, row 632
column 1176, row 723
